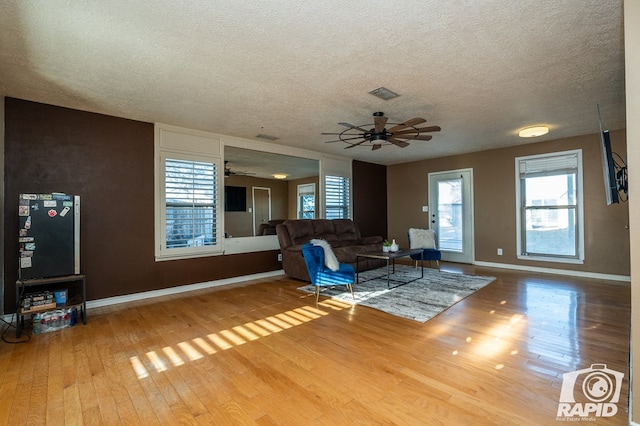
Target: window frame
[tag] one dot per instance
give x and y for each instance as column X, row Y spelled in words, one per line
column 303, row 190
column 521, row 209
column 346, row 205
column 172, row 142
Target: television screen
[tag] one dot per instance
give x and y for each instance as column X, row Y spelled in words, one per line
column 235, row 198
column 609, row 169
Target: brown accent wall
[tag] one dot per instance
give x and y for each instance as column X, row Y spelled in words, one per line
column 108, row 161
column 370, row 197
column 606, row 236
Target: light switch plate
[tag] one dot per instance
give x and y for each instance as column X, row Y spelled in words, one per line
column 425, row 209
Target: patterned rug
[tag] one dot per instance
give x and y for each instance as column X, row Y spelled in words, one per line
column 419, row 300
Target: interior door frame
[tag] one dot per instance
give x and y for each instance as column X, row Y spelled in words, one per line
column 253, row 204
column 468, row 233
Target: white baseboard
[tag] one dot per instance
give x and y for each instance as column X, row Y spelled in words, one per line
column 167, row 291
column 609, row 277
column 181, row 289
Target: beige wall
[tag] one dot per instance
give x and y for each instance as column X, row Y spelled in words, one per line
column 606, row 236
column 240, row 224
column 632, row 73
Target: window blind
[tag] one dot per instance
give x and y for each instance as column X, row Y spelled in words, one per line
column 190, row 197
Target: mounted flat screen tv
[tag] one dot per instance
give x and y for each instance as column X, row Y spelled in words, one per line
column 609, row 169
column 235, row 199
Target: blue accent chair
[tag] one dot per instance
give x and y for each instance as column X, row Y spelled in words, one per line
column 429, row 254
column 321, row 276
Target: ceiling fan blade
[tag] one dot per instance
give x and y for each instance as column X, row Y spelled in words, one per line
column 379, row 122
column 351, row 126
column 398, row 142
column 356, row 144
column 416, row 137
column 420, row 130
column 408, row 123
column 345, row 139
column 376, row 146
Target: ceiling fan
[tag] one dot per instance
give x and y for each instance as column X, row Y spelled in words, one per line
column 379, row 135
column 228, row 172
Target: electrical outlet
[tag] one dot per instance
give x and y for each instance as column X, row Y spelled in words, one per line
column 499, row 252
column 279, row 257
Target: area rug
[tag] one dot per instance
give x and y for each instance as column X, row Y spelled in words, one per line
column 419, row 300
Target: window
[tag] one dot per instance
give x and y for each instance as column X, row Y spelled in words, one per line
column 190, row 205
column 549, row 197
column 337, row 197
column 188, row 217
column 307, row 201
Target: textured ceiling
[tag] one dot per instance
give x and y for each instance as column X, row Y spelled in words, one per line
column 481, row 70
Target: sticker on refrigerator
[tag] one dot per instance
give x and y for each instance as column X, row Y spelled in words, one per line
column 49, row 203
column 29, row 196
column 27, row 223
column 52, row 213
column 26, row 240
column 30, row 246
column 23, row 210
column 64, row 211
column 25, row 262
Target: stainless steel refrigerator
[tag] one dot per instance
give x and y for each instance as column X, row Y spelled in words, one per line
column 49, row 236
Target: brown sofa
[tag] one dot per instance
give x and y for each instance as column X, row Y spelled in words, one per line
column 269, row 228
column 343, row 235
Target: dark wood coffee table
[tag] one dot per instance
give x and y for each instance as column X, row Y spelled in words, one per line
column 390, row 257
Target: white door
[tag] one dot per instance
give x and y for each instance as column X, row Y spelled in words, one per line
column 261, row 207
column 451, row 213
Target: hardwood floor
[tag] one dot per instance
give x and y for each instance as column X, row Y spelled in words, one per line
column 263, row 353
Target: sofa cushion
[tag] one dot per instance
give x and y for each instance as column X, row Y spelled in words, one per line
column 346, row 230
column 323, row 229
column 300, row 231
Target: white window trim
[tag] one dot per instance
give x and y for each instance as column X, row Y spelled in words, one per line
column 185, row 144
column 580, row 211
column 306, row 189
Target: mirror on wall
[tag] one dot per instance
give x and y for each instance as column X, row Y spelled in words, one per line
column 263, row 189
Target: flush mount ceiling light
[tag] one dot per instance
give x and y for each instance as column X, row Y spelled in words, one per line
column 533, row 132
column 279, row 176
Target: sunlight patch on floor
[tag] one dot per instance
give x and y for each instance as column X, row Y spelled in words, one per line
column 197, row 348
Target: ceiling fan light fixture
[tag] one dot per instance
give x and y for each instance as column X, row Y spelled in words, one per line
column 378, row 137
column 533, row 131
column 279, row 176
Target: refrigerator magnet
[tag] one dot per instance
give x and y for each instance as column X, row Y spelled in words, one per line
column 52, row 213
column 23, row 210
column 25, row 262
column 49, row 203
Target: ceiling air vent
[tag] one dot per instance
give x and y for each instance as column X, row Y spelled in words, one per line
column 267, row 137
column 383, row 93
